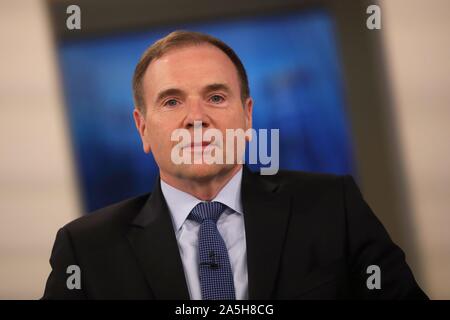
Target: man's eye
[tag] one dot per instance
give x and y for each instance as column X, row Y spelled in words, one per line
column 171, row 103
column 216, row 99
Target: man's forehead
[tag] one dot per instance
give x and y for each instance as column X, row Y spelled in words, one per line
column 193, row 65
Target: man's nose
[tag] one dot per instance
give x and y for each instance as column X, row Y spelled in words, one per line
column 196, row 111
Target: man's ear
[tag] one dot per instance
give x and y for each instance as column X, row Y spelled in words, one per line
column 139, row 120
column 248, row 111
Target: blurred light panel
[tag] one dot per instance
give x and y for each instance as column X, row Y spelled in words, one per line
column 295, row 80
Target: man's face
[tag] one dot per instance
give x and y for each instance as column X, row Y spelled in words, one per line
column 194, row 83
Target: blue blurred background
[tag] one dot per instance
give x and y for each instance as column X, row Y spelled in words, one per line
column 295, row 80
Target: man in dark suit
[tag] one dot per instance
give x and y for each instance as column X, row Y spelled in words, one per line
column 218, row 230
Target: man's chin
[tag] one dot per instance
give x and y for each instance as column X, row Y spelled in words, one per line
column 203, row 172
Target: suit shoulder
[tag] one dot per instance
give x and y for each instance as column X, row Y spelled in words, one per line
column 292, row 177
column 309, row 185
column 115, row 216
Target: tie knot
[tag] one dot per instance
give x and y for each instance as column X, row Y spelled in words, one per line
column 207, row 211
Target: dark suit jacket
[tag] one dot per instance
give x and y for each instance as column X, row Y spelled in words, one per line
column 309, row 236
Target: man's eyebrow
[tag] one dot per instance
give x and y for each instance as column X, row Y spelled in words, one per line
column 216, row 87
column 169, row 92
column 178, row 92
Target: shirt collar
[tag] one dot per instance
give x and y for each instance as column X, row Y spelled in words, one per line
column 181, row 203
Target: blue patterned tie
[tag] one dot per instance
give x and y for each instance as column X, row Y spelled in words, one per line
column 216, row 277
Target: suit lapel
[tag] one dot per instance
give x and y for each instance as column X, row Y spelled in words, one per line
column 266, row 214
column 153, row 241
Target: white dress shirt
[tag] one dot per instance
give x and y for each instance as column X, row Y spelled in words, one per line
column 230, row 226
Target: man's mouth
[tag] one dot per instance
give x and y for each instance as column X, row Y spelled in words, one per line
column 197, row 146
